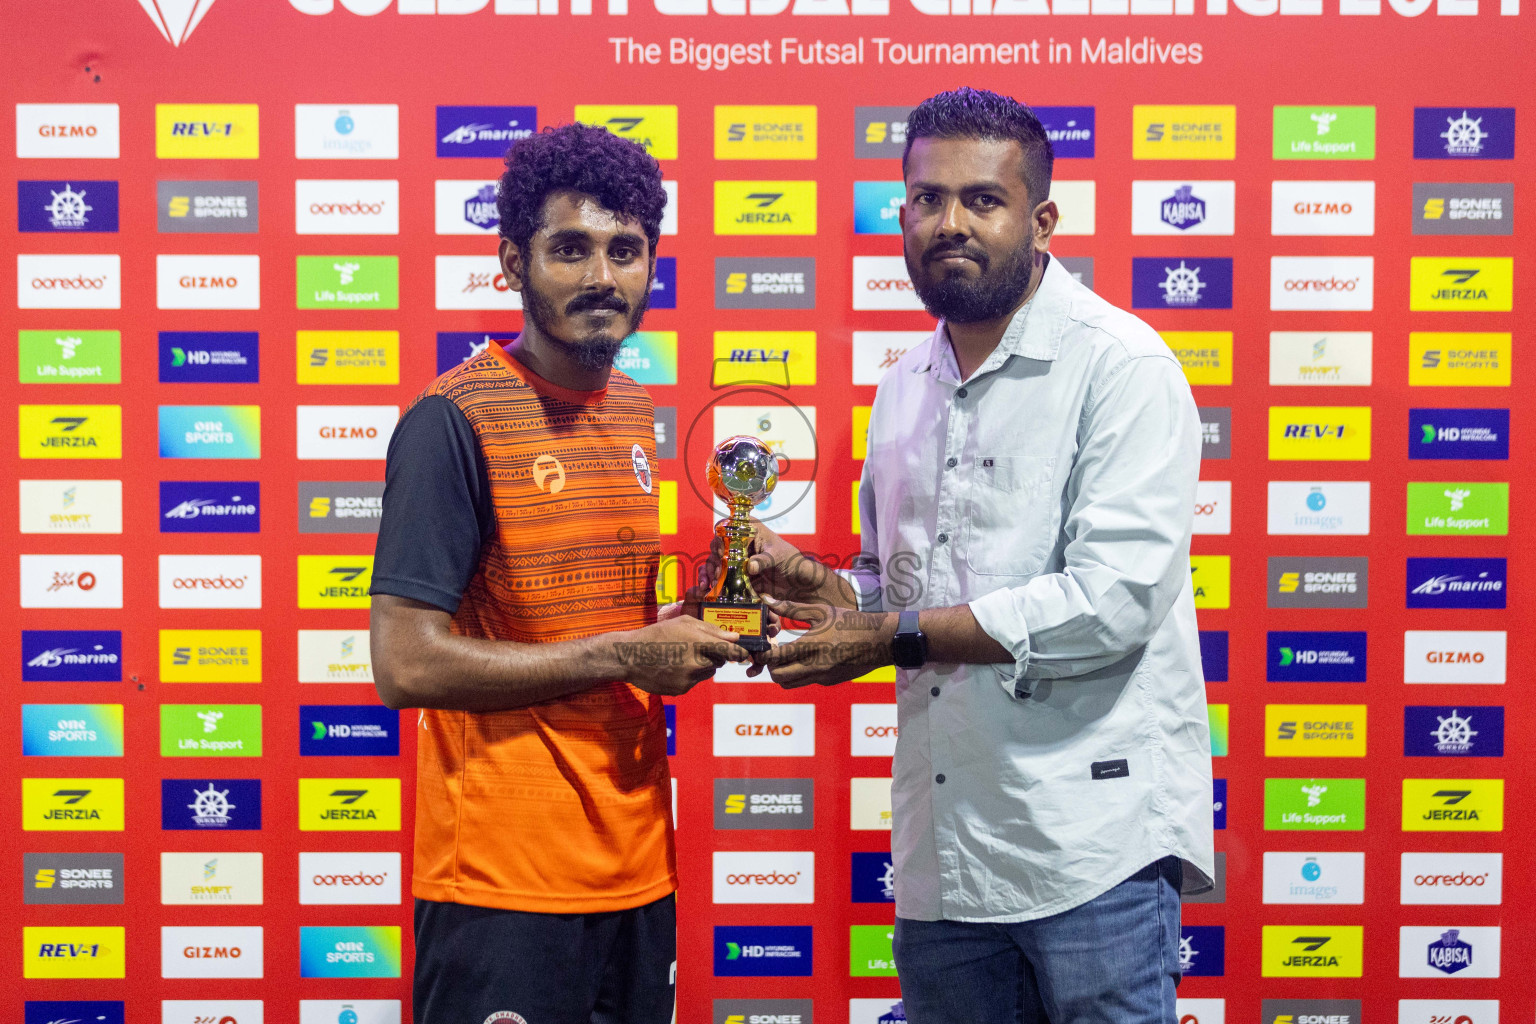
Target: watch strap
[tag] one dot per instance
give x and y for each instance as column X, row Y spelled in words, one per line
column 906, row 622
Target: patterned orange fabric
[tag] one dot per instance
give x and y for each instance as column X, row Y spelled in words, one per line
column 565, row 806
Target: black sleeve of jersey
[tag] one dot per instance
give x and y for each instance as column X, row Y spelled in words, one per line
column 437, row 507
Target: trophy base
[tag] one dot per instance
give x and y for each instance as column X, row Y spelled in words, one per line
column 745, row 620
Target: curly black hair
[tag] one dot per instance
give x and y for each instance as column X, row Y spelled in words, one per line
column 980, row 114
column 618, row 173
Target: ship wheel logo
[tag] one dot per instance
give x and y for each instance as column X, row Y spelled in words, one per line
column 210, row 806
column 1464, row 135
column 1182, row 285
column 68, row 208
column 1454, row 736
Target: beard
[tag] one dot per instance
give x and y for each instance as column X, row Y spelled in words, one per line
column 595, row 351
column 990, row 295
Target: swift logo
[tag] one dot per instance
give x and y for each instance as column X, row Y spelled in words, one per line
column 174, row 20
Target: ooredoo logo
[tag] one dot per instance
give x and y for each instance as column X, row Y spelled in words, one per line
column 349, row 878
column 345, row 431
column 874, row 730
column 881, row 282
column 68, row 282
column 1322, row 282
column 765, row 730
column 210, row 581
column 353, row 207
column 764, row 877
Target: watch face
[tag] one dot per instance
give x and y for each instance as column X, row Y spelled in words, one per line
column 909, row 650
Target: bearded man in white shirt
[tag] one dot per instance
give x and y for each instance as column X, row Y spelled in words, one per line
column 1026, row 508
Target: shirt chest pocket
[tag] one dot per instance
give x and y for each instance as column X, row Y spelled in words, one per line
column 1010, row 514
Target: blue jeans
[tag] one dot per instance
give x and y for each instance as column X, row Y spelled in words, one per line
column 1112, row 960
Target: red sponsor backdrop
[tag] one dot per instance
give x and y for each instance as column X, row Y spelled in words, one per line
column 278, row 56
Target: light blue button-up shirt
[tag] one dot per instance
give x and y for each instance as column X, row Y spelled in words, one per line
column 1053, row 491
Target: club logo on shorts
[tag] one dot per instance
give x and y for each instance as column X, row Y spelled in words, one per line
column 506, row 1017
column 642, row 468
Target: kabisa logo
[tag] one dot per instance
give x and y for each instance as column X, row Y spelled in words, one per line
column 1070, row 130
column 1458, row 433
column 358, row 952
column 653, row 127
column 1316, row 657
column 210, row 507
column 73, row 804
column 349, row 805
column 78, row 878
column 764, row 803
column 765, row 207
column 1453, row 805
column 466, row 207
column 210, row 804
column 354, row 131
column 175, row 21
column 66, row 207
column 1457, row 582
column 1181, row 283
column 1463, row 133
column 877, row 207
column 882, row 131
column 1183, row 209
column 482, row 131
column 456, row 347
column 207, row 207
column 765, row 282
column 50, row 952
column 74, row 656
column 1202, row 951
column 359, row 730
column 209, row 357
column 874, row 878
column 770, row 951
column 1462, row 731
column 73, row 1011
column 1449, row 953
column 213, row 131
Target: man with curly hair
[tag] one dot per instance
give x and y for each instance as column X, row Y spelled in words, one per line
column 514, row 582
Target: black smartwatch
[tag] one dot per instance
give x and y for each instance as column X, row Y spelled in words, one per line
column 909, row 647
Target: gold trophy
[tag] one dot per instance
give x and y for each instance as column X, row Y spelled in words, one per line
column 742, row 471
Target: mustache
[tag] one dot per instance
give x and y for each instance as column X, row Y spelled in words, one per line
column 939, row 252
column 611, row 300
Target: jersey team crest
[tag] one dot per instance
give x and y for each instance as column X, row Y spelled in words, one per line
column 642, row 468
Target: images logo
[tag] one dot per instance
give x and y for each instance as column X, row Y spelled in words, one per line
column 1175, row 207
column 1312, row 951
column 653, row 127
column 1453, row 805
column 877, row 207
column 52, row 879
column 362, row 730
column 765, row 207
column 1316, row 657
column 359, row 952
column 72, row 805
column 349, row 805
column 210, row 730
column 765, row 133
column 211, row 952
column 1181, row 283
column 72, row 730
column 1070, row 130
column 1439, row 731
column 71, row 656
column 49, row 952
column 881, row 132
column 1319, row 433
column 207, row 131
column 334, row 656
column 762, row 952
column 1456, row 583
column 1454, row 656
column 1322, row 282
column 71, row 581
column 67, row 131
column 1314, row 730
column 1325, row 133
column 1458, row 509
column 78, row 207
column 649, row 357
column 1461, row 283
column 210, row 655
column 1183, row 132
column 1318, row 582
column 1463, row 133
column 204, row 207
column 211, row 507
column 1314, row 878
column 210, row 804
column 345, row 431
column 354, row 131
column 1458, row 433
column 336, row 879
column 1331, row 805
column 1323, row 507
column 483, row 131
column 207, row 282
column 765, row 803
column 68, row 282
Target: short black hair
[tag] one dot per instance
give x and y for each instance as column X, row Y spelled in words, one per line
column 618, row 173
column 980, row 114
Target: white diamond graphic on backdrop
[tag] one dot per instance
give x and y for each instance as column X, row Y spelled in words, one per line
column 176, row 18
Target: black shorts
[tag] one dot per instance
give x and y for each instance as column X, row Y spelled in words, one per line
column 476, row 965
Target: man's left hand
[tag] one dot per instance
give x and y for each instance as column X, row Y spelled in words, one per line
column 840, row 644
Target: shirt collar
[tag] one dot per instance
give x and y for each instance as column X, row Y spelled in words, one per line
column 1035, row 331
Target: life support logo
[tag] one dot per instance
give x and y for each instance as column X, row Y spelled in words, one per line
column 547, row 467
column 642, row 468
